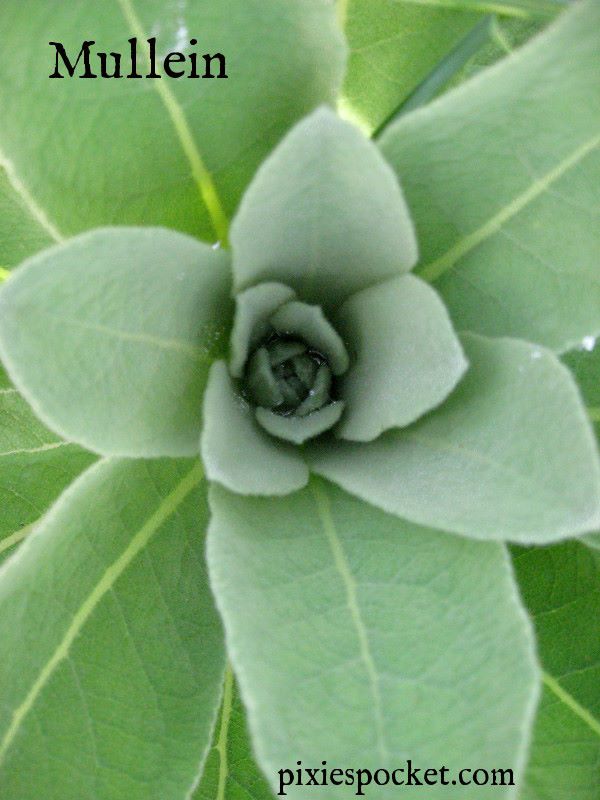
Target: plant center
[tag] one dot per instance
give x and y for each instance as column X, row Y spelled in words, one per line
column 285, row 375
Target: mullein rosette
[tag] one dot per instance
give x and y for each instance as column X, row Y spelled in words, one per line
column 331, row 359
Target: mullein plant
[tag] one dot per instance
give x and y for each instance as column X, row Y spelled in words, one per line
column 362, row 464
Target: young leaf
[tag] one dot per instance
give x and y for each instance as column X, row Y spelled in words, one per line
column 561, row 588
column 111, row 650
column 500, row 176
column 237, row 452
column 407, row 357
column 230, row 772
column 110, row 337
column 361, row 640
column 324, row 215
column 35, row 466
column 393, row 46
column 509, row 455
column 158, row 151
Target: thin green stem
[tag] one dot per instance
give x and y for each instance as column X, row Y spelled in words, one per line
column 4, row 274
column 15, row 538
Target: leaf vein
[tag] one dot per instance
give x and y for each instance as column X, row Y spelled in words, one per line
column 89, row 604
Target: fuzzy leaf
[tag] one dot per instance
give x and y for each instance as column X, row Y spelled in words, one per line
column 407, row 358
column 253, row 309
column 111, row 650
column 561, row 588
column 35, row 466
column 509, row 455
column 237, row 452
column 382, row 632
column 110, row 337
column 501, row 177
column 158, row 151
column 324, row 215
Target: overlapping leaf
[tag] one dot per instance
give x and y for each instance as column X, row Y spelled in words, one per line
column 110, row 337
column 112, row 654
column 509, row 455
column 501, row 177
column 35, row 466
column 359, row 639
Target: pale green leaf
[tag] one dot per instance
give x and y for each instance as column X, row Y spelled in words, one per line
column 361, row 640
column 501, row 177
column 406, row 357
column 299, row 429
column 35, row 466
column 110, row 337
column 324, row 215
column 509, row 455
column 174, row 152
column 237, row 452
column 230, row 772
column 309, row 324
column 561, row 588
column 393, row 46
column 111, row 650
column 22, row 231
column 251, row 324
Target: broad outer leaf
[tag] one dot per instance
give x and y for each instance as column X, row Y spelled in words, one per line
column 230, row 772
column 407, row 358
column 174, row 152
column 509, row 455
column 501, row 177
column 237, row 452
column 110, row 337
column 393, row 46
column 112, row 655
column 35, row 466
column 324, row 215
column 21, row 232
column 361, row 640
column 561, row 588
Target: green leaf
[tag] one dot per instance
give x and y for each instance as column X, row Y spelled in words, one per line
column 407, row 357
column 230, row 772
column 35, row 466
column 158, row 151
column 561, row 588
column 509, row 455
column 300, row 429
column 324, row 215
column 584, row 363
column 22, row 231
column 506, row 204
column 251, row 323
column 361, row 640
column 110, row 337
column 237, row 452
column 111, row 650
column 393, row 47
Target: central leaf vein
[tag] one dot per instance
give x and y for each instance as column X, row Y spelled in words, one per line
column 568, row 700
column 343, row 568
column 435, row 269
